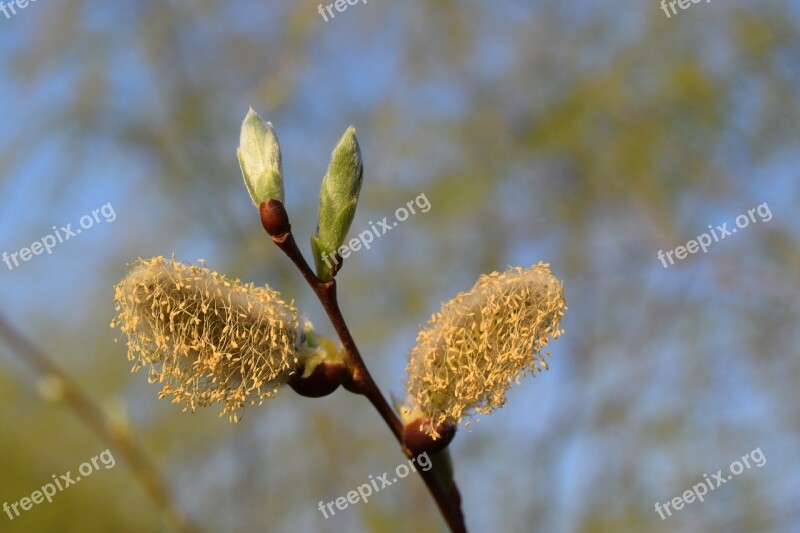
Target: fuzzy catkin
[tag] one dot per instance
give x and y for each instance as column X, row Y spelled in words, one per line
column 206, row 339
column 482, row 341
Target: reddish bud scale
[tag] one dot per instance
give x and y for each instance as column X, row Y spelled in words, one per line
column 417, row 438
column 324, row 379
column 274, row 217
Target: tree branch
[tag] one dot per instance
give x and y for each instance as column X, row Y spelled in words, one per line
column 276, row 222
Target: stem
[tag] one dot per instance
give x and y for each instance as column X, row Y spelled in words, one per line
column 276, row 223
column 94, row 417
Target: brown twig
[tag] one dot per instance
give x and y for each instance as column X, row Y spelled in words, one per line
column 93, row 415
column 276, row 221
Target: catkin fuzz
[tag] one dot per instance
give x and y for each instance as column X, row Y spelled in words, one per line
column 482, row 341
column 206, row 339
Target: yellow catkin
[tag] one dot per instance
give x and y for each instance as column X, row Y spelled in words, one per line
column 204, row 338
column 484, row 340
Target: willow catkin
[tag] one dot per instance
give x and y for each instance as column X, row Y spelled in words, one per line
column 206, row 339
column 482, row 341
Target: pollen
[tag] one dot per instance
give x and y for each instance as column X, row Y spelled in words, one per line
column 484, row 340
column 204, row 338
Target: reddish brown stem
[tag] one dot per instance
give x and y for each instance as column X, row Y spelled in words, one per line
column 276, row 222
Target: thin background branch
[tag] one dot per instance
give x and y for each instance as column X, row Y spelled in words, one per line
column 74, row 398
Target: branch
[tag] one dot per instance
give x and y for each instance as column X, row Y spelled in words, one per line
column 276, row 222
column 94, row 417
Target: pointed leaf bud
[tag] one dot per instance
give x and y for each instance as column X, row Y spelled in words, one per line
column 338, row 198
column 260, row 159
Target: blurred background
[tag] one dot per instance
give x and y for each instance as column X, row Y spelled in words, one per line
column 588, row 135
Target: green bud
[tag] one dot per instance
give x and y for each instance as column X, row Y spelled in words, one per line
column 260, row 159
column 338, row 198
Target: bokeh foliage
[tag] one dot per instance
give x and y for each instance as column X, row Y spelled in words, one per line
column 587, row 135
